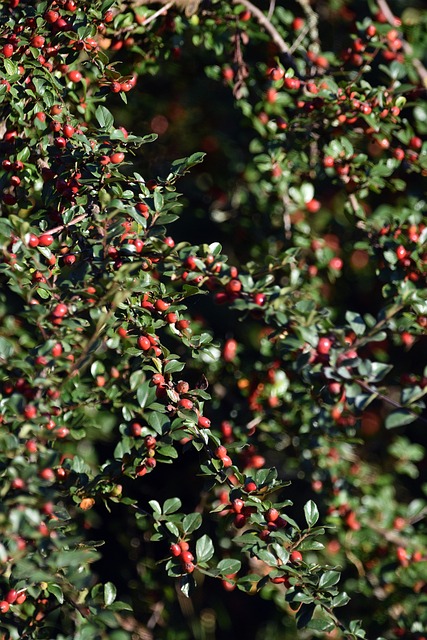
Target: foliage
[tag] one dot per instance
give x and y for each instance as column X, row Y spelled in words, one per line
column 237, row 412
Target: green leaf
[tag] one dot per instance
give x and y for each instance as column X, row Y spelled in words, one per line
column 104, row 117
column 229, row 566
column 56, row 591
column 191, row 522
column 399, row 418
column 110, row 593
column 204, row 549
column 171, row 505
column 356, row 322
column 329, row 579
column 155, row 507
column 145, row 394
column 311, row 513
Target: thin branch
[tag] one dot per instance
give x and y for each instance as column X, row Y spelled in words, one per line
column 63, row 226
column 158, row 13
column 388, row 400
column 265, row 22
column 420, row 68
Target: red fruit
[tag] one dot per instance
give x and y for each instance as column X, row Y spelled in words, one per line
column 227, row 461
column 234, row 286
column 402, row 556
column 74, row 76
column 60, row 310
column 144, row 343
column 298, row 23
column 415, row 142
column 221, row 452
column 175, row 550
column 8, row 50
column 142, row 208
column 37, row 41
column 30, row 412
column 51, row 16
column 182, row 325
column 313, row 206
column 21, row 597
column 184, row 545
column 203, row 422
column 47, row 474
column 150, row 442
column 151, row 463
column 185, row 403
column 117, row 158
column 250, row 486
column 401, row 252
column 136, row 429
column 323, row 346
column 33, row 241
column 11, row 596
column 239, row 520
column 296, row 557
column 186, row 556
column 60, row 142
column 57, row 350
column 161, row 305
column 272, row 515
column 4, row 606
column 292, row 83
column 259, row 299
column 68, row 130
column 158, row 379
column 238, row 505
column 189, row 567
column 229, row 350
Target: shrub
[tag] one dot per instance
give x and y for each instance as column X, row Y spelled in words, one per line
column 235, row 410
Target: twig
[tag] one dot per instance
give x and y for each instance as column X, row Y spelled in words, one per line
column 271, row 9
column 312, row 20
column 388, row 400
column 63, row 226
column 420, row 68
column 158, row 13
column 266, row 23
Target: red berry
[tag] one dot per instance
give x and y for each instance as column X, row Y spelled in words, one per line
column 74, row 76
column 186, row 556
column 292, row 83
column 21, row 597
column 324, row 346
column 238, row 505
column 150, row 442
column 161, row 305
column 37, row 41
column 117, row 158
column 4, row 606
column 272, row 515
column 11, row 596
column 8, row 50
column 203, row 422
column 68, row 130
column 185, row 403
column 234, row 286
column 221, row 452
column 175, row 550
column 51, row 16
column 158, row 379
column 401, row 252
column 144, row 343
column 296, row 556
column 60, row 310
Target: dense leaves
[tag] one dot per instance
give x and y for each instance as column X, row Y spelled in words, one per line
column 237, row 410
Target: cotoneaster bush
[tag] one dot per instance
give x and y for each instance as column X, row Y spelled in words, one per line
column 212, row 418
